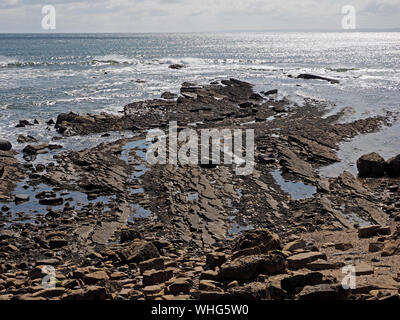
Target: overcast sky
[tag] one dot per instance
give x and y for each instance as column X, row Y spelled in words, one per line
column 195, row 15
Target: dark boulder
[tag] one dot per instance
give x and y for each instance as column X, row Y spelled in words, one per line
column 371, row 165
column 5, row 145
column 393, row 167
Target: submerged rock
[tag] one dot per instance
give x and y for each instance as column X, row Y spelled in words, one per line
column 371, row 165
column 176, row 66
column 307, row 76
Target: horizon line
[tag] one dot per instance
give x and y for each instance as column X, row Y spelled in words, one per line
column 219, row 31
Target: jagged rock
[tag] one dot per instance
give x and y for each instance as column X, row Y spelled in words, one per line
column 322, row 292
column 320, row 264
column 376, row 246
column 371, row 165
column 300, row 260
column 129, row 235
column 90, row 293
column 258, row 238
column 249, row 292
column 343, row 246
column 364, row 269
column 152, row 277
column 292, row 283
column 391, row 248
column 72, row 123
column 250, row 267
column 139, row 251
column 23, row 123
column 209, row 285
column 209, row 275
column 179, row 286
column 372, row 231
column 36, row 273
column 295, row 245
column 152, row 264
column 33, row 150
column 151, row 290
column 95, row 277
column 49, row 293
column 256, row 96
column 57, row 243
column 23, row 139
column 215, row 259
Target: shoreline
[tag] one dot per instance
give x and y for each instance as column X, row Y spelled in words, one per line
column 166, row 233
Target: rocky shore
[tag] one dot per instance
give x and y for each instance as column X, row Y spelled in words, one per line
column 113, row 227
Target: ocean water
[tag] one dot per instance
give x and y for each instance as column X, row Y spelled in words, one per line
column 44, row 75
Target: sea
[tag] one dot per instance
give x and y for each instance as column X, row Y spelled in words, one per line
column 42, row 75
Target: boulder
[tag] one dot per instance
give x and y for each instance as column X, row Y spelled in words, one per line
column 295, row 282
column 21, row 198
column 5, row 145
column 129, row 235
column 258, row 238
column 245, row 268
column 364, row 269
column 393, row 167
column 327, row 292
column 295, row 245
column 372, row 231
column 152, row 277
column 215, row 259
column 300, row 260
column 139, row 251
column 371, row 165
column 391, row 248
column 250, row 292
column 32, row 150
column 152, row 264
column 95, row 277
column 376, row 246
column 57, row 243
column 343, row 246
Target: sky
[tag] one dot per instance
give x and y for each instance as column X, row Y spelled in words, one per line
column 195, row 15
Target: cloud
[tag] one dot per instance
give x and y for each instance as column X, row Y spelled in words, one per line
column 194, row 15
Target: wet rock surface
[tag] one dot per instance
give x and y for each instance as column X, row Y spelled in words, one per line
column 114, row 227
